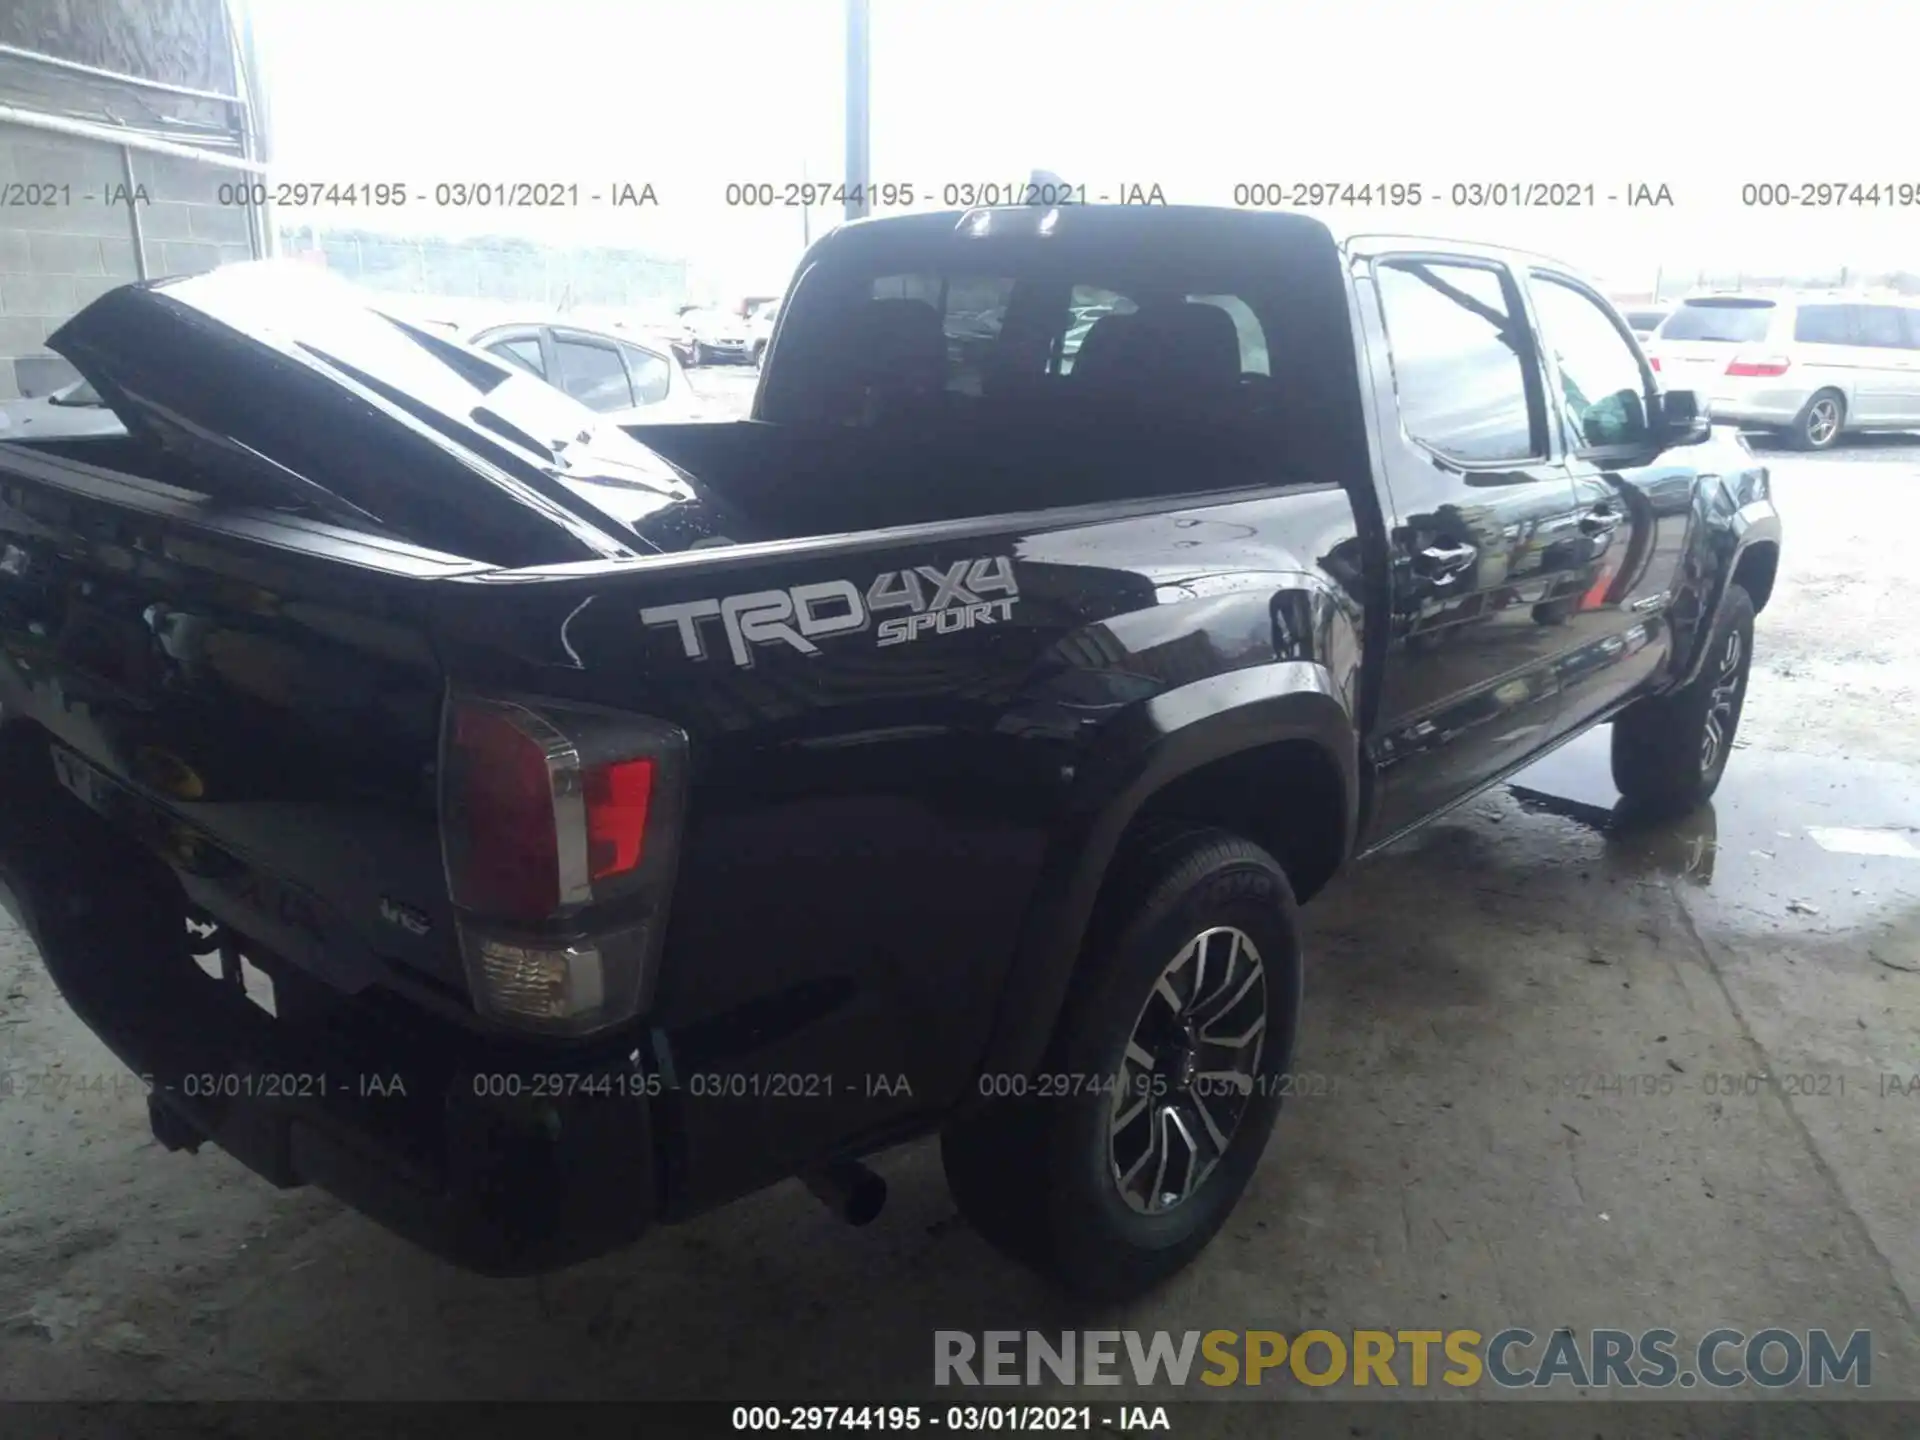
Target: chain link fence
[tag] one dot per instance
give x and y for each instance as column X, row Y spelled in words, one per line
column 470, row 278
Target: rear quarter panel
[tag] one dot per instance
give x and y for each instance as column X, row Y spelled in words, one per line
column 875, row 820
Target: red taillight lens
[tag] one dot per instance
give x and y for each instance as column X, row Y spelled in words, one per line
column 561, row 824
column 1772, row 365
column 617, row 799
column 1654, row 361
column 503, row 851
column 544, row 802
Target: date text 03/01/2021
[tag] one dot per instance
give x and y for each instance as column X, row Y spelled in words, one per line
column 845, row 1419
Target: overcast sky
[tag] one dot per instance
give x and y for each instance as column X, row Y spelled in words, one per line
column 1192, row 95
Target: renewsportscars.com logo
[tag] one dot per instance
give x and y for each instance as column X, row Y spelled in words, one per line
column 1513, row 1358
column 937, row 601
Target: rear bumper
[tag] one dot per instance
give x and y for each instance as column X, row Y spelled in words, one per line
column 506, row 1159
column 1761, row 402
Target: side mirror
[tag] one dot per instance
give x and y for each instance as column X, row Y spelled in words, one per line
column 1680, row 420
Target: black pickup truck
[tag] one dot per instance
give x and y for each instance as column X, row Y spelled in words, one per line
column 625, row 821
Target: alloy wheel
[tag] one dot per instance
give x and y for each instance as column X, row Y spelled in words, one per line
column 1723, row 705
column 1823, row 421
column 1190, row 1070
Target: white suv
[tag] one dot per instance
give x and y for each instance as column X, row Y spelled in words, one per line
column 1811, row 367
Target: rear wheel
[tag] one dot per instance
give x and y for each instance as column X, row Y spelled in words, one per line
column 1818, row 425
column 1669, row 751
column 1120, row 1158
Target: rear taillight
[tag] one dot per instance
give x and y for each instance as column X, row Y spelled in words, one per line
column 502, row 847
column 618, row 797
column 1654, row 361
column 560, row 825
column 1758, row 366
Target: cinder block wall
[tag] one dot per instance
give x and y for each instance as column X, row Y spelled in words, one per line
column 55, row 255
column 183, row 224
column 67, row 235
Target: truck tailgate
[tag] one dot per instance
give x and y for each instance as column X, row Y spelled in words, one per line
column 255, row 698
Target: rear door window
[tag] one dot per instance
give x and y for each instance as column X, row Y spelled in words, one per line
column 1735, row 322
column 1459, row 359
column 1879, row 326
column 1602, row 390
column 652, row 376
column 523, row 351
column 1824, row 325
column 592, row 373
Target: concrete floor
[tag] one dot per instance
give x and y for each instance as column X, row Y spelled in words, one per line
column 1449, row 1177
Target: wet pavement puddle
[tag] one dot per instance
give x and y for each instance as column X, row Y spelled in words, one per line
column 1791, row 840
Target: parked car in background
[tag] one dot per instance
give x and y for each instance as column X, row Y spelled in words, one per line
column 715, row 337
column 1643, row 320
column 630, row 379
column 1808, row 367
column 676, row 333
column 760, row 328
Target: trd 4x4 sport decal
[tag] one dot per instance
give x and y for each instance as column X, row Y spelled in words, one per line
column 937, row 601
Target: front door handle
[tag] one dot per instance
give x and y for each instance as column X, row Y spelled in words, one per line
column 1440, row 563
column 1601, row 521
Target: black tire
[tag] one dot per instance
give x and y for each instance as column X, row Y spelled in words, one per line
column 1037, row 1173
column 1669, row 751
column 1820, row 422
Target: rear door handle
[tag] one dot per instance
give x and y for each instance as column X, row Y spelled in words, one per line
column 1443, row 562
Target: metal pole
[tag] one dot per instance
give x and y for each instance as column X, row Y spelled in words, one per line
column 123, row 135
column 133, row 215
column 256, row 122
column 118, row 77
column 859, row 159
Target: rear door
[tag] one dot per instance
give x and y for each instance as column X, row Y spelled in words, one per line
column 1826, row 354
column 1884, row 376
column 1910, row 320
column 1484, row 528
column 1633, row 499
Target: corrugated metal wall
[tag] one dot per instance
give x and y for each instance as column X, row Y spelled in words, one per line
column 183, row 42
column 87, row 199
